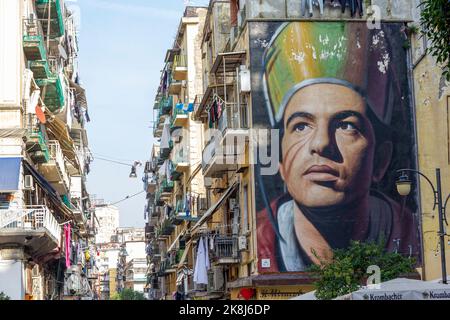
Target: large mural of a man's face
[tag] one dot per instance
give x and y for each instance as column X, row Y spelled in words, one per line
column 328, row 147
column 332, row 89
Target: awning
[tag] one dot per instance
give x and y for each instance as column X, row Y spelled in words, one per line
column 227, row 61
column 216, row 206
column 48, row 189
column 57, row 129
column 9, row 174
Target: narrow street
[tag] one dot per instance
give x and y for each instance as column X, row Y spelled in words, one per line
column 224, row 150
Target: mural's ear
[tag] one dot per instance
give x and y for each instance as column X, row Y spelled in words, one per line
column 382, row 159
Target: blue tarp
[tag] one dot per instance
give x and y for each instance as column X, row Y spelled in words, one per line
column 9, row 174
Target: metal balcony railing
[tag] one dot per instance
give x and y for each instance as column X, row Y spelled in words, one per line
column 233, row 116
column 180, row 61
column 226, row 247
column 33, row 41
column 32, row 218
column 57, row 156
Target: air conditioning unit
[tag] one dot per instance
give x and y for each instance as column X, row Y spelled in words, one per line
column 216, row 281
column 28, row 182
column 242, row 243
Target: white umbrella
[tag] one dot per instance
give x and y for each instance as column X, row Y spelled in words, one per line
column 402, row 289
column 307, row 296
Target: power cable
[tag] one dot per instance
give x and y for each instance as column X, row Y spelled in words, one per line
column 110, row 158
column 118, row 162
column 127, row 197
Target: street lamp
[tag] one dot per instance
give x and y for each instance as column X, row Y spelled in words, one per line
column 404, row 188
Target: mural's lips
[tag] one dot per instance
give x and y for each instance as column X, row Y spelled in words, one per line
column 321, row 173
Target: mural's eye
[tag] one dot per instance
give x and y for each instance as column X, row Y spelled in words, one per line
column 347, row 126
column 301, row 126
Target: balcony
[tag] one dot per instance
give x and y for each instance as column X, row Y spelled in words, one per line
column 158, row 127
column 43, row 8
column 150, row 184
column 159, row 199
column 166, row 228
column 54, row 93
column 175, row 87
column 166, row 105
column 40, row 69
column 180, row 162
column 215, row 84
column 180, row 70
column 167, row 186
column 31, row 226
column 226, row 250
column 33, row 41
column 37, row 146
column 180, row 214
column 179, row 118
column 165, row 152
column 225, row 149
column 55, row 170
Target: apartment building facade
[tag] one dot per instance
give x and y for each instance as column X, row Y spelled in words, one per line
column 250, row 242
column 47, row 223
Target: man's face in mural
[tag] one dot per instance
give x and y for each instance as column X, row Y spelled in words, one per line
column 328, row 147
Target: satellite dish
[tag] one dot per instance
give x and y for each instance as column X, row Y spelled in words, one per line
column 62, row 52
column 40, row 114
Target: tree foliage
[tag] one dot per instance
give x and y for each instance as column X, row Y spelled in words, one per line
column 435, row 21
column 128, row 294
column 348, row 268
column 3, row 296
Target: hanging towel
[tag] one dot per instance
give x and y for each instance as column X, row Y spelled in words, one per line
column 201, row 264
column 165, row 134
column 67, row 243
column 219, row 109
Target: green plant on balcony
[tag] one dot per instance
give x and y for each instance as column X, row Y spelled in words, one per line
column 435, row 23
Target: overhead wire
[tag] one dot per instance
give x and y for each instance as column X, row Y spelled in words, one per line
column 118, row 162
column 109, row 157
column 127, row 197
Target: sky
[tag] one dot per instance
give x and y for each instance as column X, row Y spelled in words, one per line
column 122, row 46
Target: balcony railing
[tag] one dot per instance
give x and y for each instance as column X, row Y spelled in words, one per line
column 33, row 41
column 233, row 117
column 57, row 158
column 226, row 249
column 36, row 145
column 54, row 97
column 165, row 105
column 179, row 69
column 179, row 117
column 31, row 218
column 54, row 7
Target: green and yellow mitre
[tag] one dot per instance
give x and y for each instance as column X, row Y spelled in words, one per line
column 344, row 53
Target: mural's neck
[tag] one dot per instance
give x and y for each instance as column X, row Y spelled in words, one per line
column 339, row 225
